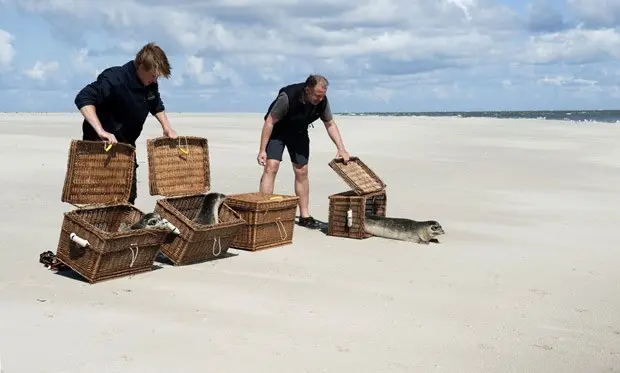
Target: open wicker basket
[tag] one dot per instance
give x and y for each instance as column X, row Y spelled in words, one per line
column 180, row 170
column 99, row 178
column 270, row 220
column 367, row 196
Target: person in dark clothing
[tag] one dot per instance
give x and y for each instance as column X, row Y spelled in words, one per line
column 286, row 124
column 116, row 105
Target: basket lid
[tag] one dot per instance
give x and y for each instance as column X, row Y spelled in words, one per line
column 357, row 175
column 178, row 166
column 256, row 199
column 98, row 172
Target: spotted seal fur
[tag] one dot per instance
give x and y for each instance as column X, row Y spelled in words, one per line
column 151, row 220
column 402, row 229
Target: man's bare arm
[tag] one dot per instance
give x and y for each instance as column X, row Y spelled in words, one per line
column 266, row 132
column 332, row 129
column 334, row 134
column 162, row 118
column 90, row 114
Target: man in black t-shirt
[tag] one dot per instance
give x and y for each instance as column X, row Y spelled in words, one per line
column 286, row 125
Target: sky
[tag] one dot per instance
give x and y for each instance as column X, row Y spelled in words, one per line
column 378, row 55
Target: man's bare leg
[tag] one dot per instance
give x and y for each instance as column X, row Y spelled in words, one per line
column 302, row 188
column 268, row 178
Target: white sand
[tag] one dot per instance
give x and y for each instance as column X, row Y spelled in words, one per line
column 526, row 279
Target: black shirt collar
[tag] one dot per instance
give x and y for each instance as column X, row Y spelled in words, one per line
column 132, row 76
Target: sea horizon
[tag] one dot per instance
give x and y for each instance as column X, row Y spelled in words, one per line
column 578, row 115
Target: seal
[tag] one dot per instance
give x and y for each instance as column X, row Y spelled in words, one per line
column 402, row 229
column 210, row 209
column 149, row 220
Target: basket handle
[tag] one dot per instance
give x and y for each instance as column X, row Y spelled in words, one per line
column 282, row 230
column 78, row 240
column 216, row 240
column 185, row 151
column 171, row 227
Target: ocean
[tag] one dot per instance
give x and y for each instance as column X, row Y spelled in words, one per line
column 608, row 116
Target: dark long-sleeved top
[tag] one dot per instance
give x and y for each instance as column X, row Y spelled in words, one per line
column 121, row 101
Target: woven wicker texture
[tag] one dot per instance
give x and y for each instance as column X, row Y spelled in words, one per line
column 357, row 175
column 178, row 167
column 270, row 220
column 197, row 243
column 97, row 176
column 110, row 253
column 339, row 204
column 259, row 208
column 265, row 236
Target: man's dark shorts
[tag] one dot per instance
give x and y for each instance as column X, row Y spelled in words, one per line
column 298, row 146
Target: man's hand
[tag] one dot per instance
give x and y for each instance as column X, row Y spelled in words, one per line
column 344, row 155
column 106, row 136
column 169, row 132
column 162, row 118
column 262, row 158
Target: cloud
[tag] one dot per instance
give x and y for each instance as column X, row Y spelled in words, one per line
column 42, row 70
column 7, row 51
column 377, row 54
column 576, row 46
column 596, row 13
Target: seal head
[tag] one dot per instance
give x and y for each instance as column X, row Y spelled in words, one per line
column 210, row 209
column 151, row 220
column 430, row 230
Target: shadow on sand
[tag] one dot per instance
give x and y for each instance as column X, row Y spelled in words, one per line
column 322, row 225
column 68, row 273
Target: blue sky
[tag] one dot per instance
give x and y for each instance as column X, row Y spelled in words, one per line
column 379, row 55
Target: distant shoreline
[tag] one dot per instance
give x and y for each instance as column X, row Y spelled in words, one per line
column 577, row 115
column 406, row 113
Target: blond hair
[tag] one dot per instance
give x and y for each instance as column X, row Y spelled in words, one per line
column 153, row 59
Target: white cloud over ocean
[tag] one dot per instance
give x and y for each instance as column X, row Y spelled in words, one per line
column 382, row 55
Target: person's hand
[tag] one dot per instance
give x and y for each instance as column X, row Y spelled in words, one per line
column 107, row 136
column 169, row 132
column 262, row 158
column 344, row 155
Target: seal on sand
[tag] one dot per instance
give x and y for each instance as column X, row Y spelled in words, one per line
column 403, row 229
column 210, row 209
column 150, row 220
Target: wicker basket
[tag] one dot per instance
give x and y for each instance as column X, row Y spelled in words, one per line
column 100, row 178
column 179, row 169
column 270, row 220
column 368, row 196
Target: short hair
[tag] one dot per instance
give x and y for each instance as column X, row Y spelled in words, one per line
column 153, row 59
column 314, row 79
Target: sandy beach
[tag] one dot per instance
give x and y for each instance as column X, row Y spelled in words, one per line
column 526, row 278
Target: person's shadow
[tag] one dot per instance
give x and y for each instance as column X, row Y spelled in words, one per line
column 323, row 226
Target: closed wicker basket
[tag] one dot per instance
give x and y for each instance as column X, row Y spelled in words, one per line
column 269, row 220
column 100, row 178
column 367, row 196
column 180, row 170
